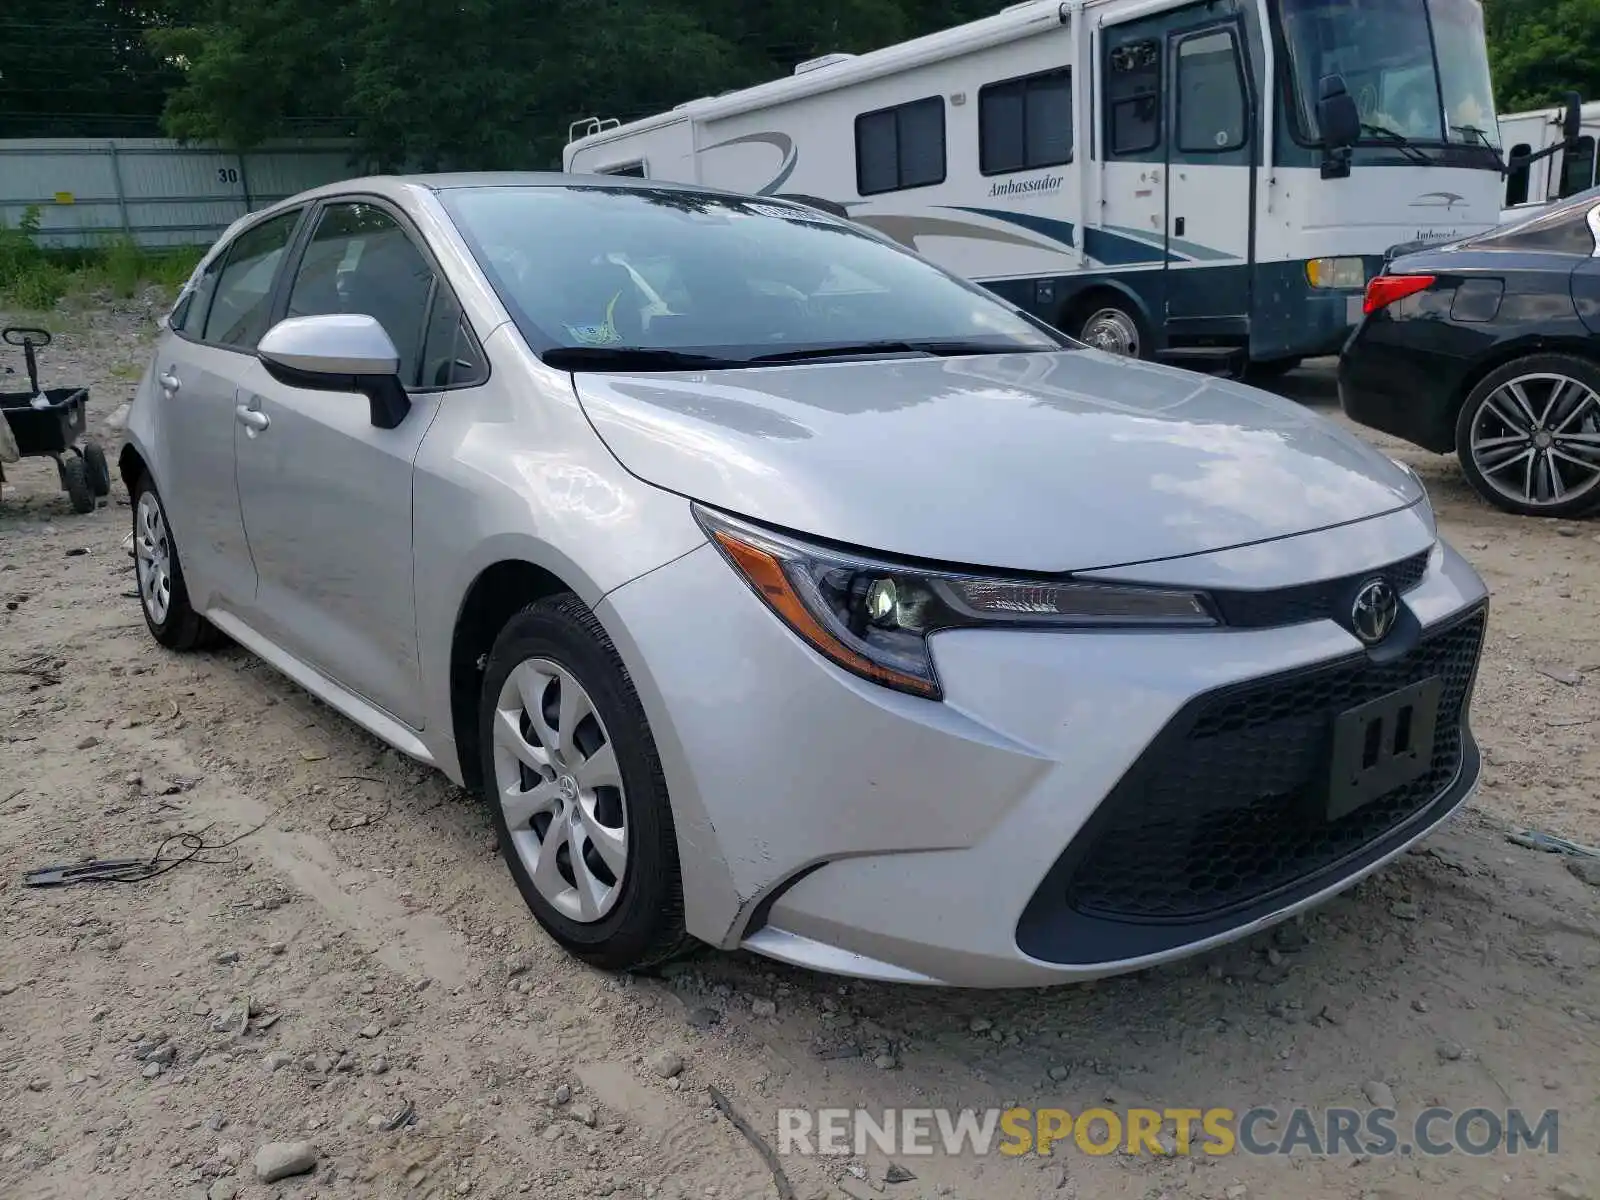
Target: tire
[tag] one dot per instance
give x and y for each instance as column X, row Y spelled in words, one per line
column 94, row 458
column 1517, row 436
column 75, row 481
column 633, row 919
column 176, row 625
column 1112, row 325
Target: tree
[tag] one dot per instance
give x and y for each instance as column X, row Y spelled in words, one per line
column 492, row 83
column 80, row 67
column 1540, row 49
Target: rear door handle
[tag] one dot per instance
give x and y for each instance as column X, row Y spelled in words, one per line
column 169, row 381
column 253, row 419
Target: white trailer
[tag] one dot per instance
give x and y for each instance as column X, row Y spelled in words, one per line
column 1148, row 175
column 1567, row 170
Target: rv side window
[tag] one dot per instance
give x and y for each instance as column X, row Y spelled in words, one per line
column 900, row 147
column 1517, row 181
column 1211, row 100
column 633, row 170
column 1133, row 94
column 1025, row 123
column 1577, row 168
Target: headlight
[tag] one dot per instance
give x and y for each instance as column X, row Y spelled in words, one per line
column 1348, row 273
column 874, row 617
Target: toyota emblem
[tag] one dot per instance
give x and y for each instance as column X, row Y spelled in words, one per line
column 1373, row 614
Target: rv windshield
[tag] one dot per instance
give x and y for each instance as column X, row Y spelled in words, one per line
column 648, row 274
column 1417, row 68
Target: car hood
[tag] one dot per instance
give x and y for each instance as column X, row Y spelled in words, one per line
column 1037, row 462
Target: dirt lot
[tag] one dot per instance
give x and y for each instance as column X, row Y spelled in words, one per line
column 361, row 955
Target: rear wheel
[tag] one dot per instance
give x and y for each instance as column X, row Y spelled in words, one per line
column 576, row 791
column 1528, row 436
column 75, row 479
column 162, row 593
column 1111, row 325
column 94, row 461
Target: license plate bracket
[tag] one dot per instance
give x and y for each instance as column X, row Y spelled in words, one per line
column 1381, row 745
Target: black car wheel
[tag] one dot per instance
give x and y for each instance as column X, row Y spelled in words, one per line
column 1528, row 436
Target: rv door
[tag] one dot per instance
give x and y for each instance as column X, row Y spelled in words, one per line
column 1209, row 178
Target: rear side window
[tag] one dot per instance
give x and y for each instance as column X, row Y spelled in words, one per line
column 1025, row 123
column 900, row 147
column 1563, row 232
column 190, row 317
column 237, row 314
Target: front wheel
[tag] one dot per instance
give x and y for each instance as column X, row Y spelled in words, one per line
column 1528, row 436
column 576, row 791
column 163, row 595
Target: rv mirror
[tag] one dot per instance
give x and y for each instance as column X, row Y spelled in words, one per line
column 1572, row 118
column 1337, row 116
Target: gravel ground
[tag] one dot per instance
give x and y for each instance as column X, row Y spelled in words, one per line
column 353, row 990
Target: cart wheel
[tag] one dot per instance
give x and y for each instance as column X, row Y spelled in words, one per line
column 94, row 458
column 75, row 481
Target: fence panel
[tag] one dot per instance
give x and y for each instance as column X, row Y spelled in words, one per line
column 158, row 192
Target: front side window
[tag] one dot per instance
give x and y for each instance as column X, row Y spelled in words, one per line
column 360, row 260
column 734, row 277
column 900, row 147
column 1024, row 124
column 1211, row 97
column 240, row 303
column 1416, row 68
column 1577, row 168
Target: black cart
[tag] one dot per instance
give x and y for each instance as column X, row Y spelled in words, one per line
column 56, row 427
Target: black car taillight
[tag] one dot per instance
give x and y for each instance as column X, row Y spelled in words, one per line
column 1384, row 290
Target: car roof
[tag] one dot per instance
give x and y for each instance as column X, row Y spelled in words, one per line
column 402, row 187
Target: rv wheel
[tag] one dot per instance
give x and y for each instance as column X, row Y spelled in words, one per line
column 1111, row 327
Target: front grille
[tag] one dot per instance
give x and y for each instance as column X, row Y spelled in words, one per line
column 1326, row 600
column 1227, row 806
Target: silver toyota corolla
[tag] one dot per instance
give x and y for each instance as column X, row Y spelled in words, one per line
column 780, row 590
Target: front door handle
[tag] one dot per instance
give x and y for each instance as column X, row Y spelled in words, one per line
column 253, row 419
column 169, row 381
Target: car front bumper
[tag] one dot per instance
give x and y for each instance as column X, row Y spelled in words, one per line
column 991, row 840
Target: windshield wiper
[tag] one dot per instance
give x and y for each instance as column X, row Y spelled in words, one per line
column 943, row 349
column 631, row 358
column 1398, row 140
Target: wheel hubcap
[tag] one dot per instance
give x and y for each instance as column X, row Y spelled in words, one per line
column 1113, row 331
column 560, row 790
column 152, row 555
column 1536, row 439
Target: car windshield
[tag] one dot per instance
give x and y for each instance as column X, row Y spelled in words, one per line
column 658, row 269
column 1417, row 68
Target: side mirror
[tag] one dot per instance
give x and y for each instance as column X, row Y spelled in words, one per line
column 1337, row 117
column 1572, row 118
column 339, row 352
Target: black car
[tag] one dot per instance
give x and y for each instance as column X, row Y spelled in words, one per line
column 1491, row 347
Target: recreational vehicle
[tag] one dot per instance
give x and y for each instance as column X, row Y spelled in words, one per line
column 1208, row 181
column 1565, row 172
